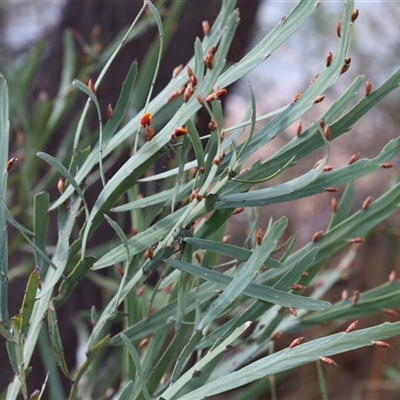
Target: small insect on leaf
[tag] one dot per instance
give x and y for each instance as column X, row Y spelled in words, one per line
column 329, row 59
column 338, row 28
column 296, row 286
column 146, row 119
column 296, row 342
column 354, row 158
column 351, row 327
column 356, row 297
column 110, row 111
column 206, row 28
column 328, row 361
column 386, row 165
column 317, row 236
column 91, row 86
column 392, row 276
column 293, row 311
column 368, row 87
column 322, row 123
column 334, row 205
column 319, row 99
column 379, row 343
column 299, row 128
column 354, row 14
column 177, row 70
column 60, row 185
column 10, row 163
column 366, row 203
column 259, row 236
column 331, row 189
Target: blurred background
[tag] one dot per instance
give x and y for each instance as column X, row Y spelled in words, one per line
column 364, row 374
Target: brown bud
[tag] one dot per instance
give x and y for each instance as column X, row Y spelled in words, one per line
column 194, row 194
column 293, row 311
column 10, row 163
column 140, row 291
column 177, row 70
column 314, row 79
column 327, row 132
column 277, row 335
column 197, row 256
column 357, row 240
column 146, row 119
column 368, row 87
column 345, row 68
column 328, row 168
column 317, row 163
column 110, row 111
column 176, row 93
column 391, row 312
column 238, row 211
column 347, row 60
column 178, row 132
column 91, row 86
column 334, row 205
column 351, row 327
column 296, row 97
column 60, row 185
column 188, row 93
column 387, row 165
column 193, row 81
column 296, row 342
column 317, row 236
column 120, row 271
column 143, row 343
column 298, row 129
column 199, row 197
column 212, row 126
column 367, row 202
column 305, row 274
column 381, row 344
column 297, row 287
column 392, row 276
column 149, row 253
column 226, row 238
column 149, row 130
column 189, row 71
column 354, row 14
column 319, row 99
column 209, row 58
column 329, row 59
column 338, row 28
column 345, row 295
column 328, row 361
column 354, row 158
column 206, row 28
column 356, row 297
column 259, row 236
column 331, row 189
column 322, row 123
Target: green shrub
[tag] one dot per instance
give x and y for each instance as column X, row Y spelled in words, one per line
column 194, row 309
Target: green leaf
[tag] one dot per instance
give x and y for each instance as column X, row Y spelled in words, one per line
column 40, row 227
column 29, row 299
column 290, row 358
column 56, row 342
